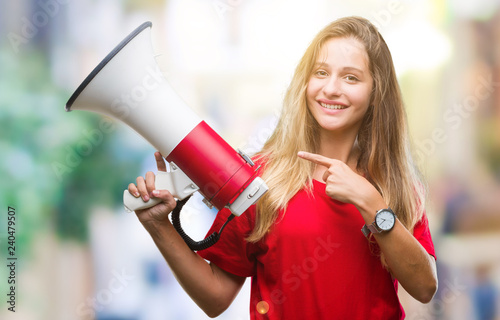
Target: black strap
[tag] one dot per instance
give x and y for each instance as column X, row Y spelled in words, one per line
column 194, row 245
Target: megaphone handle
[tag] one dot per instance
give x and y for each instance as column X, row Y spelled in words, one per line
column 162, row 182
column 132, row 203
column 174, row 181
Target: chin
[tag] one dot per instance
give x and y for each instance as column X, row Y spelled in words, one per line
column 331, row 128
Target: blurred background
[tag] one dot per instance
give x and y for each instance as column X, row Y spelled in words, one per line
column 81, row 256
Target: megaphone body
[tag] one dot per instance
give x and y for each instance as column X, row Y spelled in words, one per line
column 128, row 85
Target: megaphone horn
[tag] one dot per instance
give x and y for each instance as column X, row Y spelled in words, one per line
column 128, row 85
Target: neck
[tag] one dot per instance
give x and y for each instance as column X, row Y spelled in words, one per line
column 337, row 146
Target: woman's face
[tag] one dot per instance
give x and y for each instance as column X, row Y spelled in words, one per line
column 339, row 89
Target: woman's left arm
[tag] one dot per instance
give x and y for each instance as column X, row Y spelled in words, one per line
column 407, row 259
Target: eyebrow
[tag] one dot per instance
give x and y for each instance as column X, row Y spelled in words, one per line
column 347, row 68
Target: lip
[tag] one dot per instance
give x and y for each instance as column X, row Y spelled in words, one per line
column 331, row 102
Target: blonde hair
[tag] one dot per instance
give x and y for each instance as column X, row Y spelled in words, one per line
column 385, row 156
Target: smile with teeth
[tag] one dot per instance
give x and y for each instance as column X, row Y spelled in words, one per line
column 332, row 106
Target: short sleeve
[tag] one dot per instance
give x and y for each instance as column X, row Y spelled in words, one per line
column 232, row 252
column 422, row 233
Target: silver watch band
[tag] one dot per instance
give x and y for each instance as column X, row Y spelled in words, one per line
column 371, row 228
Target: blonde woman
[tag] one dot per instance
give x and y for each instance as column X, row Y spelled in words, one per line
column 344, row 218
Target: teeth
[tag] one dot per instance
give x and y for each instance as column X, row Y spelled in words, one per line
column 332, row 106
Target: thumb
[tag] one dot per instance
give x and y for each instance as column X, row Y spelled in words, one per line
column 165, row 196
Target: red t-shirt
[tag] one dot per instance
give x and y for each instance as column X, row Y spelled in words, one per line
column 314, row 264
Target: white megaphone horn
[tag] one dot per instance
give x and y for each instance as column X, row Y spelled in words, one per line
column 128, row 85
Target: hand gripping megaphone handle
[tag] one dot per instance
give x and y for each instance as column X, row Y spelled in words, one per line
column 175, row 181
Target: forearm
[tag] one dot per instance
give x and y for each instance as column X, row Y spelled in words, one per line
column 210, row 287
column 409, row 262
column 192, row 272
column 406, row 258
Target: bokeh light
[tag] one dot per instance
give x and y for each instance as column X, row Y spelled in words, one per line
column 262, row 307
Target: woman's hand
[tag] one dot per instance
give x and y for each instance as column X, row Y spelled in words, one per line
column 342, row 183
column 145, row 189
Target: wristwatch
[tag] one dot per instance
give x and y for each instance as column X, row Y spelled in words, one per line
column 385, row 219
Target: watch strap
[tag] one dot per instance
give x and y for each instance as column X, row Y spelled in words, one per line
column 370, row 228
column 365, row 231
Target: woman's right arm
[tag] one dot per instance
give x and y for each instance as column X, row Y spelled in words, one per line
column 212, row 288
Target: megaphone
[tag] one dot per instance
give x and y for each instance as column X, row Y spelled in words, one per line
column 128, row 85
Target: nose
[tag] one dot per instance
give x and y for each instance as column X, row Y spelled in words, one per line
column 332, row 87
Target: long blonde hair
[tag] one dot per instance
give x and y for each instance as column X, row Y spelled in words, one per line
column 385, row 155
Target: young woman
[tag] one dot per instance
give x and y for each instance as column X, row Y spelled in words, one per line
column 343, row 221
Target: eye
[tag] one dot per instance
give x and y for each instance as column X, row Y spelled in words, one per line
column 321, row 73
column 351, row 78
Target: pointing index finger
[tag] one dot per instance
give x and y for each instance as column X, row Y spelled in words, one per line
column 316, row 158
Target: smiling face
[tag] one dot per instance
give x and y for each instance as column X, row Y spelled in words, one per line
column 339, row 89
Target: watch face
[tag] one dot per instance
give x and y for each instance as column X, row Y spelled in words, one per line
column 385, row 220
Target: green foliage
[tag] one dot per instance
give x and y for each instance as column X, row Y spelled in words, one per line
column 37, row 135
